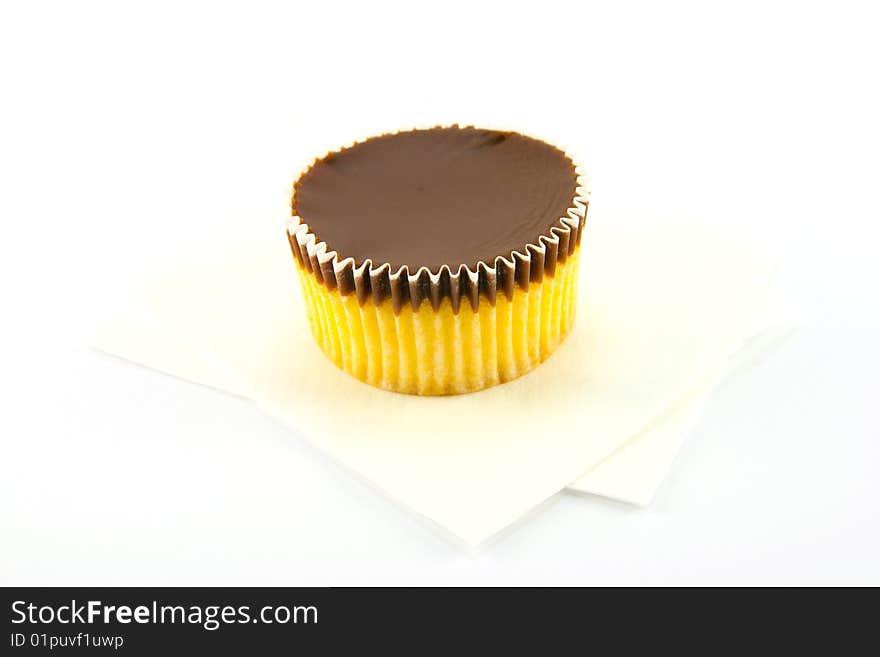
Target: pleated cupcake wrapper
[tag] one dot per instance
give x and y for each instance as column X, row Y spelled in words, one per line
column 380, row 281
column 440, row 352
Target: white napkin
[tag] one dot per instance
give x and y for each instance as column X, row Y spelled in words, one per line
column 663, row 306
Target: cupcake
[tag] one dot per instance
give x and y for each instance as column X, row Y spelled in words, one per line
column 439, row 261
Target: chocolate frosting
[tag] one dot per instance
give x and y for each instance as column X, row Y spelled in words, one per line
column 443, row 212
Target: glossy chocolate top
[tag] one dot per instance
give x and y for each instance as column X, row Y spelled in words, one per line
column 443, row 196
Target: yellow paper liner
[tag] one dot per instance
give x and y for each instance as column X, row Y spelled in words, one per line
column 428, row 352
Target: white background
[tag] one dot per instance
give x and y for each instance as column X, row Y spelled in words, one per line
column 133, row 133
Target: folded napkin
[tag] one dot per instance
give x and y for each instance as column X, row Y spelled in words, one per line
column 663, row 308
